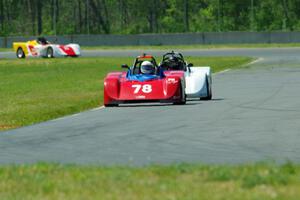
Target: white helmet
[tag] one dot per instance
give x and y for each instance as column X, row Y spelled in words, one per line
column 147, row 67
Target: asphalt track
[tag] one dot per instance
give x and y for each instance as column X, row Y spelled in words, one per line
column 254, row 116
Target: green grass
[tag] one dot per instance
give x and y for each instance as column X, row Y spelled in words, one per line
column 5, row 49
column 35, row 90
column 178, row 181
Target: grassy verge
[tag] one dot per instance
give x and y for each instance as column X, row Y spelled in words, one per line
column 5, row 49
column 35, row 90
column 179, row 181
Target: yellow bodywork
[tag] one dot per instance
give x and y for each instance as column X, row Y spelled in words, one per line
column 24, row 45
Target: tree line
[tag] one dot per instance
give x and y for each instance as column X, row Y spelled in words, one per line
column 62, row 17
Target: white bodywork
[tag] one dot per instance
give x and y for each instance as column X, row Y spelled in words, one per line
column 58, row 50
column 198, row 82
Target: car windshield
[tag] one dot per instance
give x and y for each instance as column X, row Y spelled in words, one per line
column 138, row 63
column 42, row 40
column 173, row 61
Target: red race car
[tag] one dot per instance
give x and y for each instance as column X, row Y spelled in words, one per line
column 144, row 82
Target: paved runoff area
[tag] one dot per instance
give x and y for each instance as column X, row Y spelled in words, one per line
column 254, row 116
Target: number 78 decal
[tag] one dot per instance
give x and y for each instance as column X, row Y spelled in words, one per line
column 145, row 88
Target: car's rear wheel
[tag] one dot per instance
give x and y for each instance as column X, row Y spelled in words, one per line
column 49, row 52
column 20, row 53
column 209, row 90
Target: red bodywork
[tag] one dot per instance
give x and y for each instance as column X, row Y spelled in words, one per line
column 118, row 89
column 67, row 50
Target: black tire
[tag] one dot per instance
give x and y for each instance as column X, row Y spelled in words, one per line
column 20, row 53
column 49, row 53
column 183, row 102
column 183, row 97
column 209, row 91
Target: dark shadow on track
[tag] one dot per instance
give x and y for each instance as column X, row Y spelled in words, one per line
column 152, row 105
column 196, row 99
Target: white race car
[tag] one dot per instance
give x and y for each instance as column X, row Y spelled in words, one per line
column 42, row 48
column 198, row 79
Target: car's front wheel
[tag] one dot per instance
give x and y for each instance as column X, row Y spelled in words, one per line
column 20, row 53
column 183, row 97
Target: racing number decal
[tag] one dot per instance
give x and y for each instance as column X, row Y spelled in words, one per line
column 137, row 88
column 145, row 88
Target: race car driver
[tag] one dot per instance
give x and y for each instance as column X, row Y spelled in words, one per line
column 147, row 68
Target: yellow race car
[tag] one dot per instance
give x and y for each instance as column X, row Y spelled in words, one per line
column 43, row 48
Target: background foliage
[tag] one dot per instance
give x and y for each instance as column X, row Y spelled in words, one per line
column 50, row 17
